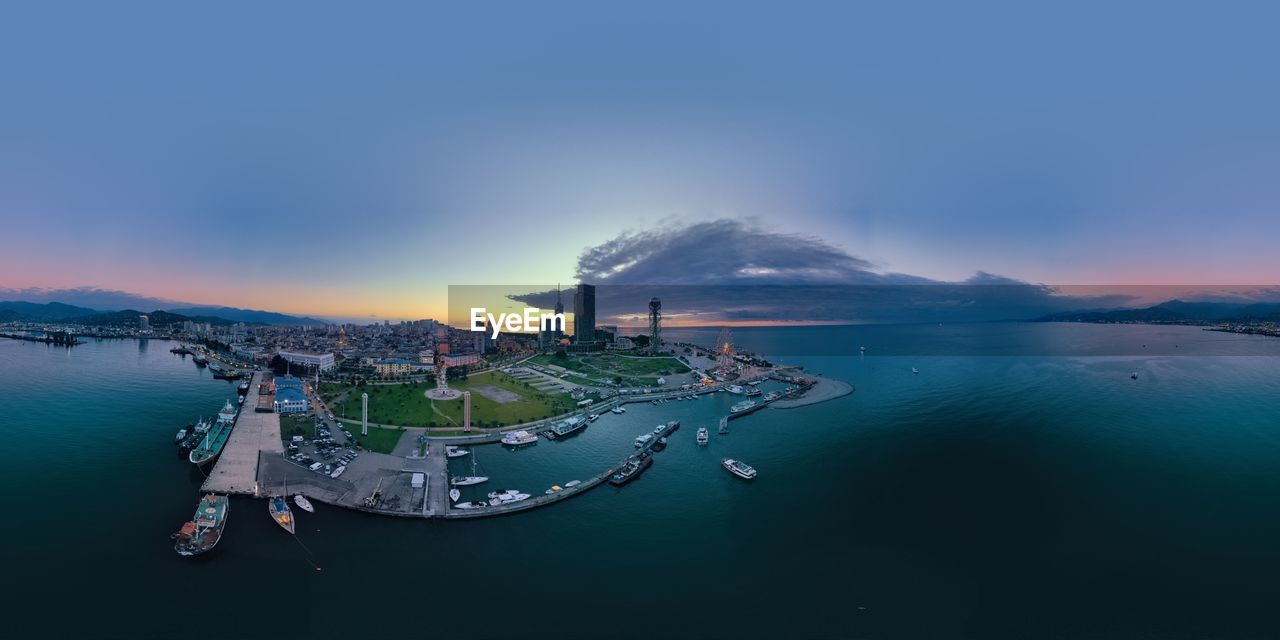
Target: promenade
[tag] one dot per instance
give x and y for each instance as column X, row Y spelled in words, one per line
column 236, row 471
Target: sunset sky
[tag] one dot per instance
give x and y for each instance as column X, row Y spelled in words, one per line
column 346, row 160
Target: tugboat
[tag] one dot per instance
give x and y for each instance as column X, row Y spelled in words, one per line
column 634, row 466
column 205, row 528
column 739, row 468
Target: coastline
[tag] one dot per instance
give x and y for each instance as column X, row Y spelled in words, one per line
column 823, row 390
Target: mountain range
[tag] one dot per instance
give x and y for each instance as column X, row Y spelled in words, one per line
column 1177, row 312
column 60, row 312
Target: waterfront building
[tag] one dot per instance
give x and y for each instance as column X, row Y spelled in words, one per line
column 584, row 314
column 322, row 361
column 290, row 396
column 144, row 324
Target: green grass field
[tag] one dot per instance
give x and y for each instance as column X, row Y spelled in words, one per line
column 291, row 426
column 379, row 440
column 406, row 404
column 633, row 370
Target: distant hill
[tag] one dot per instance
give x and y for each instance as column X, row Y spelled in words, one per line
column 33, row 311
column 129, row 318
column 14, row 311
column 247, row 316
column 1176, row 312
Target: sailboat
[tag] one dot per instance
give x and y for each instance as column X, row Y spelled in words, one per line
column 279, row 509
column 463, row 481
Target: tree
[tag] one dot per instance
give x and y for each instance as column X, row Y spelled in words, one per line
column 278, row 365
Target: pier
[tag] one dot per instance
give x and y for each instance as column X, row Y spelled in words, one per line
column 236, row 471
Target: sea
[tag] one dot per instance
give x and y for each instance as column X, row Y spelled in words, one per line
column 1002, row 480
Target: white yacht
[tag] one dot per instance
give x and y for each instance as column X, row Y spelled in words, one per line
column 703, row 436
column 734, row 389
column 455, row 452
column 466, row 481
column 519, row 438
column 739, row 468
column 643, row 440
column 303, row 503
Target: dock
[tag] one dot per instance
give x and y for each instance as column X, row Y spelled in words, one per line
column 236, row 471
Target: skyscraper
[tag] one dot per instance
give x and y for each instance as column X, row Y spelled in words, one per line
column 584, row 314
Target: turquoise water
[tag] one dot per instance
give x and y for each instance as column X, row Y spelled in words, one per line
column 987, row 496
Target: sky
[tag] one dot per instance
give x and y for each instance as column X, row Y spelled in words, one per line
column 355, row 160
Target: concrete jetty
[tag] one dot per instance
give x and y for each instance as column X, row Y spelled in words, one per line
column 236, row 471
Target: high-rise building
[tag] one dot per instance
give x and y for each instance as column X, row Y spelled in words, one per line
column 144, row 324
column 584, row 314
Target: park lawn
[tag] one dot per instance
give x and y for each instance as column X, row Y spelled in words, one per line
column 291, row 426
column 379, row 440
column 406, row 404
column 634, row 370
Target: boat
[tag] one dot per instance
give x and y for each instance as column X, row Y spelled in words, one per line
column 195, row 434
column 572, row 483
column 734, row 389
column 862, row 349
column 569, row 427
column 739, row 468
column 660, row 444
column 507, row 497
column 279, row 509
column 466, row 505
column 617, row 410
column 754, row 393
column 182, row 434
column 466, row 481
column 455, row 452
column 554, row 488
column 200, row 360
column 631, row 469
column 643, row 440
column 337, row 472
column 211, row 445
column 1134, row 375
column 228, row 412
column 593, row 417
column 240, row 401
column 703, row 436
column 205, row 528
column 303, row 503
column 454, row 494
column 741, row 407
column 914, row 370
column 519, row 438
column 753, row 383
column 243, row 389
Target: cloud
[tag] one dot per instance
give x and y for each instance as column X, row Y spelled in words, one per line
column 731, row 270
column 725, row 251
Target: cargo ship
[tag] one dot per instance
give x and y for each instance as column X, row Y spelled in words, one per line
column 205, row 528
column 211, row 446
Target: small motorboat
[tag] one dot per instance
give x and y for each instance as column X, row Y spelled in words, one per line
column 702, row 436
column 455, row 452
column 914, row 370
column 303, row 503
column 454, row 494
column 572, row 483
column 1134, row 375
